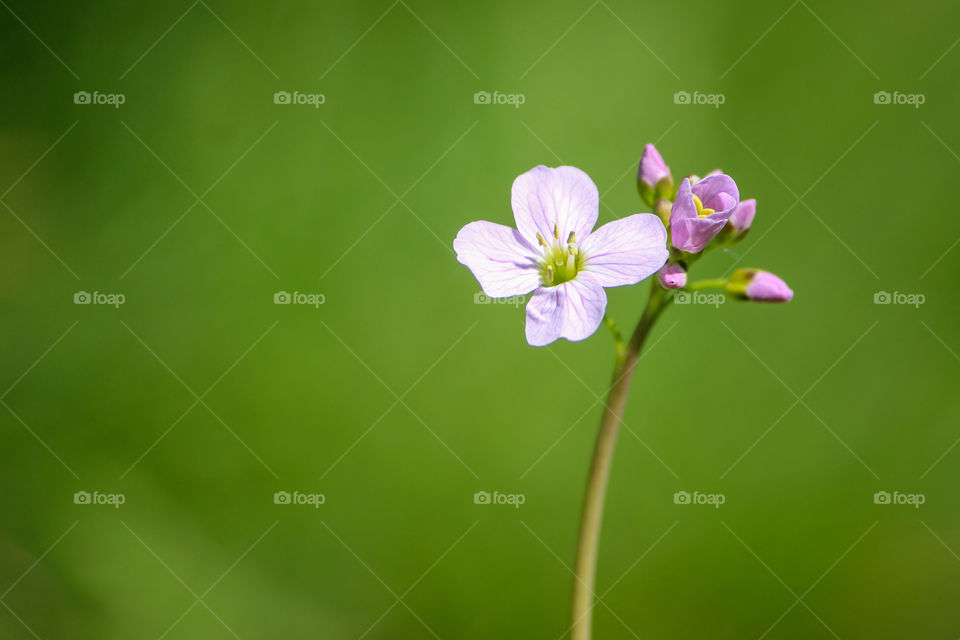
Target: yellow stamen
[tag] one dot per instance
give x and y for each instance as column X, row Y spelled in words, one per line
column 702, row 212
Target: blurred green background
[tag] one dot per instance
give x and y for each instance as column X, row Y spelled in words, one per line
column 198, row 399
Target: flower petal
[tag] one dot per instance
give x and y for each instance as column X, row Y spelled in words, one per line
column 719, row 192
column 626, row 251
column 683, row 206
column 501, row 260
column 572, row 310
column 693, row 234
column 564, row 197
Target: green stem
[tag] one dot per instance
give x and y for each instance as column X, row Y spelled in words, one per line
column 586, row 565
column 618, row 344
column 716, row 283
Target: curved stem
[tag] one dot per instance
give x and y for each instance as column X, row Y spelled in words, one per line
column 586, row 565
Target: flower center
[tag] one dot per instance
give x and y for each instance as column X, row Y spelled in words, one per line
column 560, row 262
column 701, row 211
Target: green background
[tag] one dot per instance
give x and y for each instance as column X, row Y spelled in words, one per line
column 399, row 397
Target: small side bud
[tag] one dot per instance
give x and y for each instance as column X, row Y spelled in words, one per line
column 672, row 276
column 662, row 209
column 654, row 179
column 738, row 224
column 759, row 286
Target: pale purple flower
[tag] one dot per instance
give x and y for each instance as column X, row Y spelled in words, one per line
column 672, row 276
column 762, row 286
column 742, row 216
column 555, row 253
column 701, row 210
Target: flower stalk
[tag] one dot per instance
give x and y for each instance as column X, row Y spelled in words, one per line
column 586, row 566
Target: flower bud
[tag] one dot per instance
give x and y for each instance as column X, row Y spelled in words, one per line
column 672, row 276
column 761, row 286
column 742, row 217
column 738, row 224
column 662, row 209
column 654, row 179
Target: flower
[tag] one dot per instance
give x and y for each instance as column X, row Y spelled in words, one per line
column 762, row 286
column 555, row 253
column 701, row 210
column 672, row 276
column 654, row 179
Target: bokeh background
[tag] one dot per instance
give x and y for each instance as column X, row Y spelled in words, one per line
column 397, row 399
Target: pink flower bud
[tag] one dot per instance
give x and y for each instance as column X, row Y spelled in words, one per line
column 652, row 167
column 761, row 286
column 672, row 276
column 742, row 216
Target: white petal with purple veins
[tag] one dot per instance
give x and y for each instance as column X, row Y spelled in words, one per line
column 502, row 261
column 572, row 310
column 564, row 197
column 626, row 251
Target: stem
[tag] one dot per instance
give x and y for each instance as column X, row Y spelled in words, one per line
column 717, row 283
column 618, row 344
column 586, row 566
